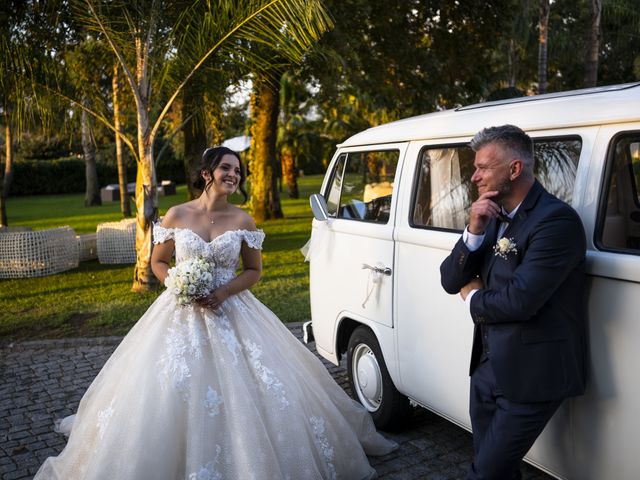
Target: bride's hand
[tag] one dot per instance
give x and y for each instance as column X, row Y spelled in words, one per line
column 215, row 298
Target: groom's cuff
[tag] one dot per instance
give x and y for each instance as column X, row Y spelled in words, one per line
column 467, row 300
column 477, row 319
column 471, row 240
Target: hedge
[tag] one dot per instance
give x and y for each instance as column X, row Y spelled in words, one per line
column 67, row 175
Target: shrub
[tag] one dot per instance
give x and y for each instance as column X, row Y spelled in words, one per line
column 67, row 175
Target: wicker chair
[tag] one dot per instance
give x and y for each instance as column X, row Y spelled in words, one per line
column 116, row 241
column 38, row 253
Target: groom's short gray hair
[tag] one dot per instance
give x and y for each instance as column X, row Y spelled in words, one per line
column 511, row 138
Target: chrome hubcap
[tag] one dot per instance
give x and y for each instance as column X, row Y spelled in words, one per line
column 367, row 377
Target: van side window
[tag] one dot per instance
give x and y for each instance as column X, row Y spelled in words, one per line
column 443, row 191
column 618, row 225
column 361, row 187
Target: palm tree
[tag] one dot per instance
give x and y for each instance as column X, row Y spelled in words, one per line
column 143, row 37
column 265, row 107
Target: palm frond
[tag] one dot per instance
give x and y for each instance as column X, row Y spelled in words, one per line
column 284, row 28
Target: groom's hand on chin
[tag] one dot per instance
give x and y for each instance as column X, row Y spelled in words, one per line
column 482, row 211
column 475, row 284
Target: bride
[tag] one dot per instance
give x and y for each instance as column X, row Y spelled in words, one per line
column 219, row 389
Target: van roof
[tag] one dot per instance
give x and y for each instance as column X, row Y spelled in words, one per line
column 592, row 106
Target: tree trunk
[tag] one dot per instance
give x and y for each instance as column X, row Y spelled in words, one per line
column 593, row 45
column 195, row 137
column 146, row 183
column 92, row 192
column 512, row 63
column 265, row 200
column 542, row 46
column 8, row 172
column 289, row 174
column 146, row 213
column 125, row 206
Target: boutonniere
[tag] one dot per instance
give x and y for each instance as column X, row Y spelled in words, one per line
column 504, row 247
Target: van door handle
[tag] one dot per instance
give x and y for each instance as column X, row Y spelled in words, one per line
column 381, row 270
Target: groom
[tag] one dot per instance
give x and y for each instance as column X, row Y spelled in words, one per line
column 519, row 267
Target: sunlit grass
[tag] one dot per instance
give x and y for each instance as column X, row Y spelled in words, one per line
column 95, row 299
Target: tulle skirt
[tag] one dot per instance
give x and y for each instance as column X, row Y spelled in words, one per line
column 194, row 394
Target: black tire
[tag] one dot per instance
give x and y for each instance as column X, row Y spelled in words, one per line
column 388, row 407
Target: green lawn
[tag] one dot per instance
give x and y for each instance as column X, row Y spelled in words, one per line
column 95, row 299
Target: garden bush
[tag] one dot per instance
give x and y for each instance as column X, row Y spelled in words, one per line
column 67, row 175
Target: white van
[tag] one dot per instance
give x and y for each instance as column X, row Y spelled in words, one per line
column 394, row 201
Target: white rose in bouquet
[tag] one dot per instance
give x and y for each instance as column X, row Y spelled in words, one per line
column 190, row 280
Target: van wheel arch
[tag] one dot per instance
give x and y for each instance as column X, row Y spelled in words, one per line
column 346, row 328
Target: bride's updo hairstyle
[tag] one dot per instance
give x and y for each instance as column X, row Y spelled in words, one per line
column 211, row 158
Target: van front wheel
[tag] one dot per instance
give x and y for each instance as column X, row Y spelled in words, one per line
column 370, row 381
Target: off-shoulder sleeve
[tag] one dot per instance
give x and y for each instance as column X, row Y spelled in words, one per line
column 161, row 234
column 254, row 238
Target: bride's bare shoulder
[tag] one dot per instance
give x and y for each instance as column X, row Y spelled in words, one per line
column 243, row 220
column 177, row 215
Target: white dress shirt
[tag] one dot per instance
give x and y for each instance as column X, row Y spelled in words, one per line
column 473, row 242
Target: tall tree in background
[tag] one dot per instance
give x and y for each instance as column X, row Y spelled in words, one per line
column 543, row 38
column 25, row 41
column 13, row 88
column 88, row 74
column 264, row 163
column 265, row 107
column 92, row 188
column 5, row 184
column 371, row 73
column 593, row 44
column 516, row 44
column 290, row 131
column 125, row 207
column 620, row 41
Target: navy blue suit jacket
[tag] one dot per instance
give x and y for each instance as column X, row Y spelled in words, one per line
column 532, row 308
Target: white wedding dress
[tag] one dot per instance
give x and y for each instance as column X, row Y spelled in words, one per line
column 196, row 394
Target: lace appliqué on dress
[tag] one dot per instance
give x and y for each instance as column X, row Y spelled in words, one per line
column 212, row 402
column 182, row 341
column 225, row 248
column 208, row 471
column 227, row 335
column 162, row 234
column 323, row 444
column 254, row 238
column 265, row 374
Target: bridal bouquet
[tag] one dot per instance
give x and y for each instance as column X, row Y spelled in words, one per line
column 190, row 279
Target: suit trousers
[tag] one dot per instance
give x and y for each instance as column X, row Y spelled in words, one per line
column 503, row 431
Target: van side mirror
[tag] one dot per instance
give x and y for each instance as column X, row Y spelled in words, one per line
column 319, row 207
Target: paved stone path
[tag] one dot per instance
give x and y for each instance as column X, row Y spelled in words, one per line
column 45, row 380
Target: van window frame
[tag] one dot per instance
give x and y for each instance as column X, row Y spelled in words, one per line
column 605, row 187
column 414, row 187
column 334, row 172
column 362, row 150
